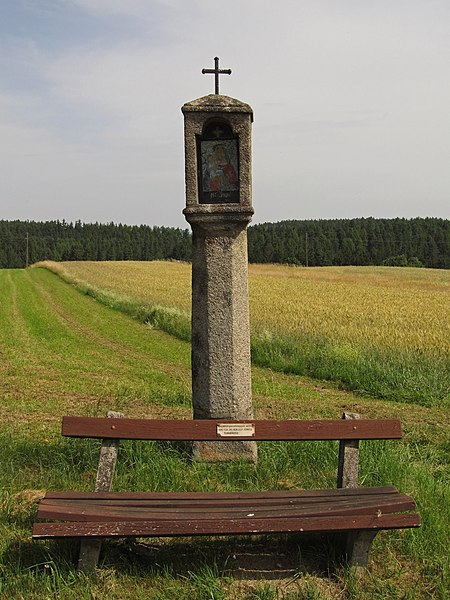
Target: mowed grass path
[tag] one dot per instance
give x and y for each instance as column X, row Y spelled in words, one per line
column 64, row 353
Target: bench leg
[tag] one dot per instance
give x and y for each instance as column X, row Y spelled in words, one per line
column 90, row 549
column 89, row 554
column 358, row 547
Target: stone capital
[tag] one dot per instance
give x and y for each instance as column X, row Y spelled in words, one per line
column 218, row 219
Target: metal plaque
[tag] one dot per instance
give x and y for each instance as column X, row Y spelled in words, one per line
column 236, row 429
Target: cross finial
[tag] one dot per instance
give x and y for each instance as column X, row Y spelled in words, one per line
column 217, row 72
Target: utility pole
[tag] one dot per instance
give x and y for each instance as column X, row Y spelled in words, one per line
column 27, row 256
column 306, row 248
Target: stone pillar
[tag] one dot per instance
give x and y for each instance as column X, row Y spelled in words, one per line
column 218, row 208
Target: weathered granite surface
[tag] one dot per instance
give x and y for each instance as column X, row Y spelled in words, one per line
column 221, row 369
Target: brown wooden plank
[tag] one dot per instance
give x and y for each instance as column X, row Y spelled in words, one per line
column 206, row 430
column 277, row 495
column 51, row 510
column 91, row 511
column 199, row 502
column 209, row 504
column 172, row 528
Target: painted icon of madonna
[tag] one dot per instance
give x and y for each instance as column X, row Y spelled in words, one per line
column 219, row 163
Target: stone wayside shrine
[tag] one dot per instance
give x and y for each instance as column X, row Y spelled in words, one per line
column 217, row 133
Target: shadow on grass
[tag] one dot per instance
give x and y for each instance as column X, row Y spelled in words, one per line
column 28, row 556
column 271, row 558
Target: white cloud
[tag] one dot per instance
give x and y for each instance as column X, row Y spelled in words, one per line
column 129, row 8
column 350, row 99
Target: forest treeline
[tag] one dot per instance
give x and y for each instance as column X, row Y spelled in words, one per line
column 31, row 241
column 364, row 241
column 369, row 241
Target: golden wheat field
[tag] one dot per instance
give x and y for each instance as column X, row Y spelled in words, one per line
column 383, row 307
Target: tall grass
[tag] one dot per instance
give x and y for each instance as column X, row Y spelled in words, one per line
column 69, row 464
column 408, row 376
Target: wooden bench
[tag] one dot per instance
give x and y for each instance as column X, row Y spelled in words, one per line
column 358, row 512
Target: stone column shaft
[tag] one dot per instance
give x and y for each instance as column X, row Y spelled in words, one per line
column 221, row 371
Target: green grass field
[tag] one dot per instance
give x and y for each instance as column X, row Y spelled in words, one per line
column 62, row 352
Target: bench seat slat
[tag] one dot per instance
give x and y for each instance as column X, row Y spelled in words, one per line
column 206, row 430
column 90, row 511
column 171, row 528
column 168, row 501
column 233, row 496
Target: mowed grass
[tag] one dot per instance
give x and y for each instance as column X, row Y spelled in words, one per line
column 64, row 353
column 380, row 331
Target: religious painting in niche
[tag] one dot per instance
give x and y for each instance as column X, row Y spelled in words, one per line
column 219, row 166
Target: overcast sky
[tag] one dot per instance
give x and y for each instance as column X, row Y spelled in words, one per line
column 351, row 103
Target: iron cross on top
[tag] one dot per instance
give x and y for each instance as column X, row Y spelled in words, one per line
column 217, row 72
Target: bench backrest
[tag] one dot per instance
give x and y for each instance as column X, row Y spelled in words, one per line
column 226, row 430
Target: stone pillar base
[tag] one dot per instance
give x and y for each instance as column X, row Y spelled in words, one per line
column 225, row 451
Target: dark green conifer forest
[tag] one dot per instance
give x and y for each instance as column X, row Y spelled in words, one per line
column 364, row 241
column 398, row 242
column 61, row 241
